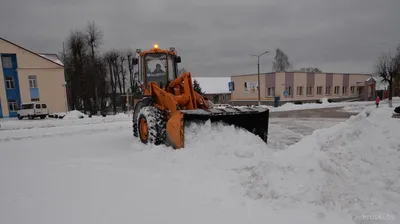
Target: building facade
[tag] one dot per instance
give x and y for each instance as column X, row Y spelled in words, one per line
column 304, row 87
column 219, row 98
column 26, row 76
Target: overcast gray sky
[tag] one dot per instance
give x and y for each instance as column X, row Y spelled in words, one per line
column 215, row 37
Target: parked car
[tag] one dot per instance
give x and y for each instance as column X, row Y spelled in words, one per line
column 32, row 110
column 397, row 110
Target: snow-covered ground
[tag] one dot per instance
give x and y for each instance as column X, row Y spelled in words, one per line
column 307, row 106
column 92, row 170
column 354, row 107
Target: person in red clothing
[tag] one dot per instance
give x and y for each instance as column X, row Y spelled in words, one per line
column 377, row 101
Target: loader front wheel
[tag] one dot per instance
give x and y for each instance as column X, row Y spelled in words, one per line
column 151, row 125
column 144, row 129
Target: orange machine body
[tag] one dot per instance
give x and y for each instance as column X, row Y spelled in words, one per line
column 179, row 103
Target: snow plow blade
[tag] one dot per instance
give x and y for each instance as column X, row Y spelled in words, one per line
column 254, row 120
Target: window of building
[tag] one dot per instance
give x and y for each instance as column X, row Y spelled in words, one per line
column 328, row 90
column 6, row 61
column 12, row 105
column 10, row 82
column 288, row 89
column 271, row 91
column 35, row 99
column 344, row 90
column 215, row 98
column 319, row 90
column 32, row 81
column 353, row 89
column 299, row 91
column 337, row 89
column 309, row 90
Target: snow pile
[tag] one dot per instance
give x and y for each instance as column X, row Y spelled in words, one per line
column 15, row 124
column 288, row 106
column 358, row 108
column 75, row 114
column 223, row 137
column 352, row 167
column 324, row 100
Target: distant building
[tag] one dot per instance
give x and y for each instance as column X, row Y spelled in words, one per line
column 302, row 86
column 29, row 76
column 382, row 88
column 216, row 89
column 219, row 98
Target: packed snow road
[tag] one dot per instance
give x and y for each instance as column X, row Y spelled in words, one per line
column 94, row 171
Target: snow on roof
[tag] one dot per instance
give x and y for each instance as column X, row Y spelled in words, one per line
column 211, row 85
column 371, row 78
column 52, row 57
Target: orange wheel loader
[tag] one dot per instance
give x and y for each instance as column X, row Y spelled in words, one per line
column 168, row 103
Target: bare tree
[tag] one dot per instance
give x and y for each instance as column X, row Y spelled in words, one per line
column 117, row 69
column 123, row 79
column 123, row 72
column 94, row 38
column 281, row 62
column 109, row 57
column 76, row 59
column 103, row 84
column 388, row 68
column 130, row 55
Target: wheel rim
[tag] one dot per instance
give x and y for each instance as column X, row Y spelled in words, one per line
column 144, row 130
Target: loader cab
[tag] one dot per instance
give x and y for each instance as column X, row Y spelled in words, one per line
column 157, row 65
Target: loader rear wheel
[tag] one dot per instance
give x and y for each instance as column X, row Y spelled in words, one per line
column 151, row 125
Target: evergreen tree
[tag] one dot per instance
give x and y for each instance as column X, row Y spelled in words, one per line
column 281, row 62
column 197, row 87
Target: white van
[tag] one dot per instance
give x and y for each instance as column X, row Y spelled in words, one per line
column 32, row 110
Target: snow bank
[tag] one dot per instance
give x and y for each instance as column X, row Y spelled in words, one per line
column 352, row 167
column 75, row 114
column 324, row 100
column 15, row 124
column 355, row 108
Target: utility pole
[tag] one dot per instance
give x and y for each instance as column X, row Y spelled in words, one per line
column 258, row 74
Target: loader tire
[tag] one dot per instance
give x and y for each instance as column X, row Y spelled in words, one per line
column 135, row 129
column 151, row 126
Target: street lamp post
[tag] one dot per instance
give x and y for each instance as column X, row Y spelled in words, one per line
column 258, row 74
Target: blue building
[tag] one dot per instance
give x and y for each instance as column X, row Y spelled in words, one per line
column 26, row 76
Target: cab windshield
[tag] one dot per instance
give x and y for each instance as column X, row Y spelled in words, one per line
column 160, row 68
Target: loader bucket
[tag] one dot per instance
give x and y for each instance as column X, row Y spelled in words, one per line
column 254, row 120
